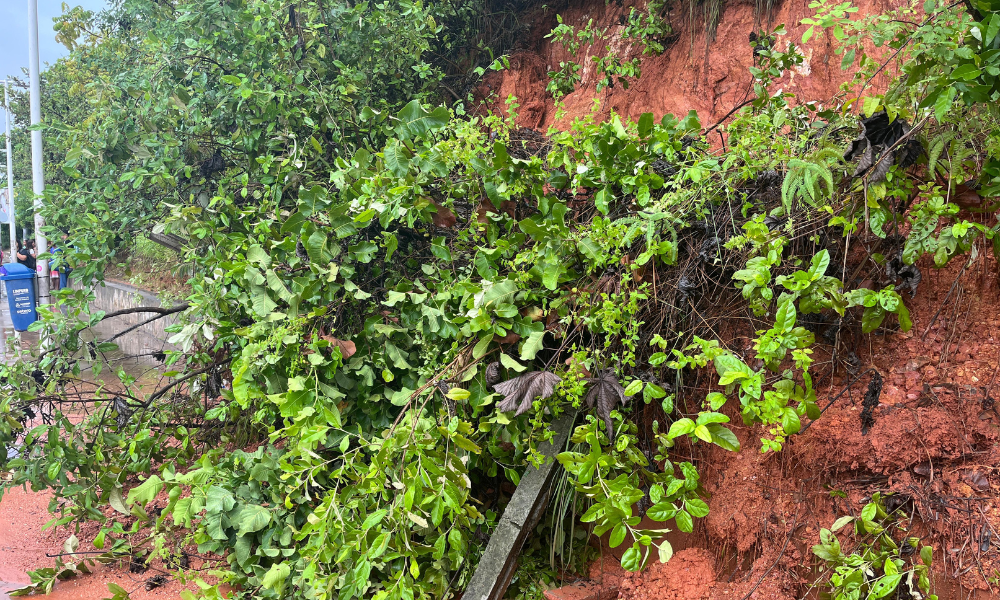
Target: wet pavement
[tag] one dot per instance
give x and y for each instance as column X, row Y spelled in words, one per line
column 136, row 355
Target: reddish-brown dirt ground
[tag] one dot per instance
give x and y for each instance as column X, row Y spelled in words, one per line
column 934, row 442
column 24, row 546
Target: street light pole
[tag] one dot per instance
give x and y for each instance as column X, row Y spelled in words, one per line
column 10, row 174
column 37, row 177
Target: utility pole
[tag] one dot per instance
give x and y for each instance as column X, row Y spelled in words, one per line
column 10, row 174
column 37, row 177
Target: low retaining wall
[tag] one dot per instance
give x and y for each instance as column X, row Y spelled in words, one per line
column 113, row 296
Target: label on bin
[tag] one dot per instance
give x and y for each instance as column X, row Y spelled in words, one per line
column 22, row 301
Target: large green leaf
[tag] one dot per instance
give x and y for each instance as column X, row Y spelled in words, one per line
column 145, row 492
column 397, row 158
column 253, row 518
column 415, row 121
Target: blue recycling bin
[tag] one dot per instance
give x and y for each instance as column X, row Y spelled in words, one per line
column 20, row 283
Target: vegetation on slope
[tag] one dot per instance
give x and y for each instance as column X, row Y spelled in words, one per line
column 392, row 299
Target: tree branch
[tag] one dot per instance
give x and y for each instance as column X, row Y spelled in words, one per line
column 167, row 388
column 162, row 311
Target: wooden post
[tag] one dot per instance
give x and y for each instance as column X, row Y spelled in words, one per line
column 526, row 507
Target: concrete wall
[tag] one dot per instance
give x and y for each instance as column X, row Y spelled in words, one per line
column 113, row 296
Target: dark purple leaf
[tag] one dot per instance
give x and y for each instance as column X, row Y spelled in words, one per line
column 521, row 391
column 606, row 393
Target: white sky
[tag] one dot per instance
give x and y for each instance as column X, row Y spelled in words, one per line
column 14, row 33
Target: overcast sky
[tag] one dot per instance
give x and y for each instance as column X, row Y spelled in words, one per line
column 14, row 32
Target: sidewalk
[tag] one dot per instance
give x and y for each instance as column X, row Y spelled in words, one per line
column 7, row 329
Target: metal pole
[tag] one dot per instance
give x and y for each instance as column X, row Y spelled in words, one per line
column 37, row 177
column 10, row 174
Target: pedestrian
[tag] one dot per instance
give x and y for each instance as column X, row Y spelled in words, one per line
column 59, row 263
column 26, row 254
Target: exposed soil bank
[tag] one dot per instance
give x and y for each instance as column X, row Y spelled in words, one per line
column 709, row 78
column 934, row 444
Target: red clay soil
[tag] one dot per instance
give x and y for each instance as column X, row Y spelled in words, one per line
column 933, row 444
column 24, row 545
column 710, row 79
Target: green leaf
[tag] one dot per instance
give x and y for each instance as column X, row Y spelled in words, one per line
column 465, row 443
column 602, row 199
column 870, row 105
column 790, row 422
column 724, row 438
column 397, row 356
column 927, row 555
column 684, row 521
column 500, row 293
column 967, row 72
column 440, row 249
column 617, row 535
column 886, row 585
column 484, row 344
column 943, row 102
column 716, row 400
column 645, row 128
column 992, row 29
column 116, row 502
column 871, row 319
column 219, row 500
column 316, row 248
column 869, row 511
column 257, row 255
column 632, row 559
column 416, row 121
column 661, row 511
column 820, row 262
column 680, row 427
column 784, row 319
column 458, row 394
column 510, row 363
column 531, row 345
column 145, row 492
column 696, row 507
column 666, row 551
column 550, row 275
column 374, row 519
column 590, row 249
column 634, row 387
column 903, row 314
column 275, row 578
column 253, row 518
column 397, row 158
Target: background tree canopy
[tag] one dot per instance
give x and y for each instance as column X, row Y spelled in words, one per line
column 392, row 298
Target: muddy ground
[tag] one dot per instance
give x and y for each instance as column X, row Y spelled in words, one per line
column 25, row 546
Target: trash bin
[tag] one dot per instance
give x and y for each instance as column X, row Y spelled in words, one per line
column 20, row 284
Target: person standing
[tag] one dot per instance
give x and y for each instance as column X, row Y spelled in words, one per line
column 26, row 254
column 59, row 263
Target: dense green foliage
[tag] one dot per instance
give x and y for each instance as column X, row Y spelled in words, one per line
column 370, row 265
